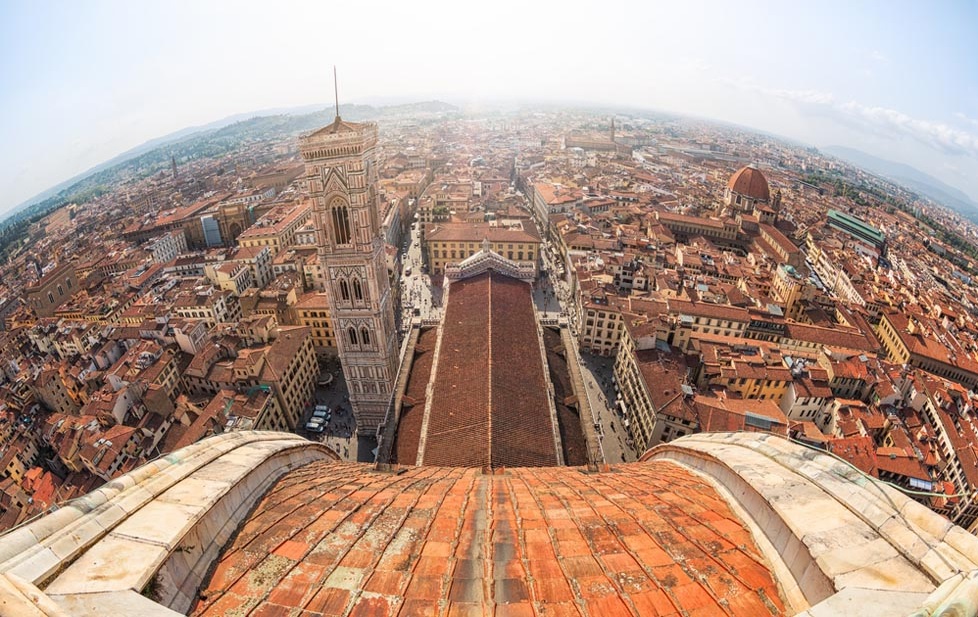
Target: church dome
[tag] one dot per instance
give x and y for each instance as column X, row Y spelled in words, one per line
column 750, row 182
column 269, row 523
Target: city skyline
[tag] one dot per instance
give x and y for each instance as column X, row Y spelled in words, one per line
column 549, row 361
column 82, row 84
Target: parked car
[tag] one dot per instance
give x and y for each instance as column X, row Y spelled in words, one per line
column 323, row 414
column 315, row 425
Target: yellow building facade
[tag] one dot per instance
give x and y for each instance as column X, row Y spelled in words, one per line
column 454, row 242
column 312, row 311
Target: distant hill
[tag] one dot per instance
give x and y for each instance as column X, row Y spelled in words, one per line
column 264, row 123
column 427, row 107
column 210, row 126
column 908, row 176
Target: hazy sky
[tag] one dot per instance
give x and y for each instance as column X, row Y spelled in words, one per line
column 83, row 81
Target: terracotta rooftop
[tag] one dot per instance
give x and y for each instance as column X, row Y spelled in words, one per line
column 412, row 415
column 313, row 300
column 572, row 439
column 464, row 232
column 489, row 398
column 735, row 414
column 336, row 539
column 277, row 220
column 340, row 126
column 751, row 182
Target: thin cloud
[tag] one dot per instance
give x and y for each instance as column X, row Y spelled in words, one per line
column 935, row 134
column 810, row 97
column 878, row 120
column 879, row 56
column 966, row 118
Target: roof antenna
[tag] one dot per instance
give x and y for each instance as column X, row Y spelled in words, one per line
column 336, row 92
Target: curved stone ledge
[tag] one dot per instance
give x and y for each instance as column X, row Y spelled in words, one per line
column 18, row 598
column 35, row 550
column 838, row 542
column 802, row 584
column 164, row 522
column 879, row 551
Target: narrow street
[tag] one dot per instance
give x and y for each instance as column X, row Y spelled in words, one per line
column 552, row 298
column 419, row 298
column 422, row 300
column 340, row 433
column 598, row 379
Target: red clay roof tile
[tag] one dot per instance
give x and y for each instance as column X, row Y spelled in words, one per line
column 339, row 539
column 489, row 404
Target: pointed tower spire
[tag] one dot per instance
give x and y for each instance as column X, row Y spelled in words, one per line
column 336, row 93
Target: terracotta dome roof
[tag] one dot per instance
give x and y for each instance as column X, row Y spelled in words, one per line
column 268, row 523
column 750, row 182
column 334, row 538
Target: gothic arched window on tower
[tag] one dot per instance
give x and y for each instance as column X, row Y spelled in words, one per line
column 344, row 290
column 364, row 335
column 357, row 289
column 341, row 222
column 352, row 334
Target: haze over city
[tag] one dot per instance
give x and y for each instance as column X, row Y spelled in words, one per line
column 577, row 309
column 81, row 83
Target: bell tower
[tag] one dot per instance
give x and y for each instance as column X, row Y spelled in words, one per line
column 341, row 177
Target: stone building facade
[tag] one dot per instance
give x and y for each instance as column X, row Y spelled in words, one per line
column 341, row 177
